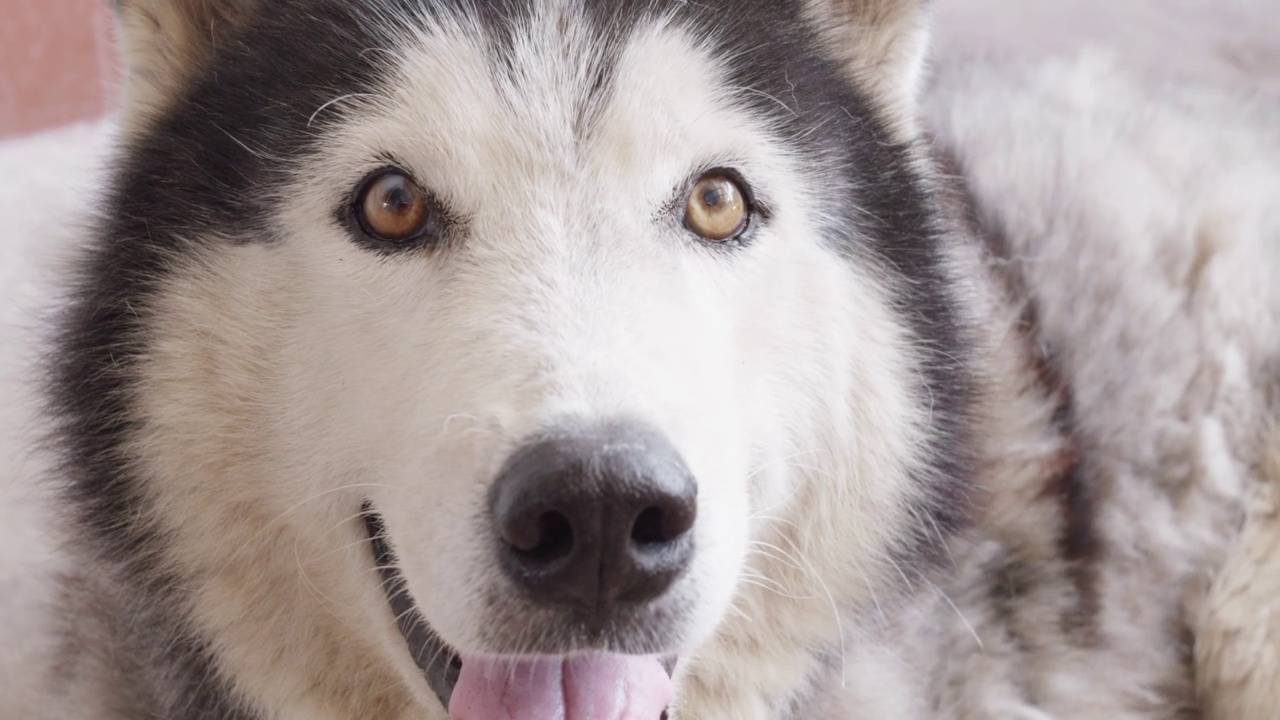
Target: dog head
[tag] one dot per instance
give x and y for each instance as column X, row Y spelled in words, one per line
column 573, row 303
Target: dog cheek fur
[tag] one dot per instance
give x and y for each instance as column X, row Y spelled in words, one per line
column 254, row 524
column 829, row 507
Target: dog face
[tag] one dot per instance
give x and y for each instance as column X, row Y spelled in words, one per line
column 567, row 289
column 576, row 301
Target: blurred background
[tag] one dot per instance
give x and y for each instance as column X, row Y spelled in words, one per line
column 57, row 65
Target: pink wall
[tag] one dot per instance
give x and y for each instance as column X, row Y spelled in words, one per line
column 56, row 63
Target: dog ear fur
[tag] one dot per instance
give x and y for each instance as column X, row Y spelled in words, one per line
column 883, row 44
column 164, row 40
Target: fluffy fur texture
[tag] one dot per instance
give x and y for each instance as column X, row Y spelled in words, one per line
column 882, row 45
column 1236, row 641
column 165, row 43
column 1137, row 221
column 1088, row 386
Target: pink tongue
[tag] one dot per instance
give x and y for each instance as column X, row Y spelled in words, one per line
column 580, row 687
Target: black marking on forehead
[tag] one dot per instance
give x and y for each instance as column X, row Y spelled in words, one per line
column 246, row 114
column 210, row 162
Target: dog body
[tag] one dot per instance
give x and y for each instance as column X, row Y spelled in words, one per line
column 959, row 421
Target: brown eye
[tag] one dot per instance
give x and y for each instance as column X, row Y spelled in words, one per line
column 716, row 209
column 392, row 207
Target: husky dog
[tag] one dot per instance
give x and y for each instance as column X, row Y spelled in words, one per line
column 515, row 360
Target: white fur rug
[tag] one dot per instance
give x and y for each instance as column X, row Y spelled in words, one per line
column 49, row 180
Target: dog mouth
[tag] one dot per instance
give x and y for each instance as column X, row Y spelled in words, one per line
column 586, row 686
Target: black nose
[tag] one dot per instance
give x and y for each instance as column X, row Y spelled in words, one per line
column 595, row 518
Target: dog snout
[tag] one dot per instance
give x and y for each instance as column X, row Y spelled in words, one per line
column 595, row 519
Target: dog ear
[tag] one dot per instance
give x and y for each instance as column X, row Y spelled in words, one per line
column 883, row 44
column 163, row 40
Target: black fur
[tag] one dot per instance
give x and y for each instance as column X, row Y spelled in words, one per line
column 190, row 173
column 1068, row 483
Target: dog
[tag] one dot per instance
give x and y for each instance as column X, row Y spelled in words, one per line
column 627, row 360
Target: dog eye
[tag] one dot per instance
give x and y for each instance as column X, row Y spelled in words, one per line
column 392, row 207
column 717, row 208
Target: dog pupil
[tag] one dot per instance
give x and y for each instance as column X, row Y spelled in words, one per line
column 711, row 198
column 399, row 199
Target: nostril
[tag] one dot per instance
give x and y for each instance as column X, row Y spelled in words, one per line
column 651, row 528
column 554, row 539
column 658, row 525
